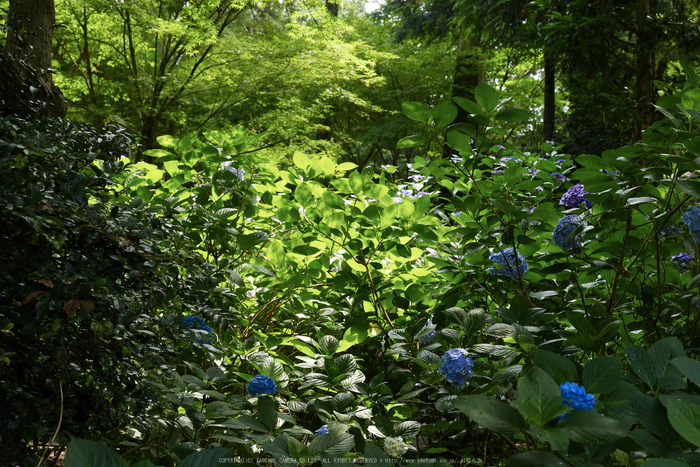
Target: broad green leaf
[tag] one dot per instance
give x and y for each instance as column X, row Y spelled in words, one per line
column 689, row 367
column 689, row 187
column 301, row 160
column 416, row 111
column 406, row 209
column 444, row 114
column 539, row 397
column 557, row 438
column 513, row 115
column 412, row 141
column 353, row 335
column 296, row 449
column 602, row 375
column 690, row 99
column 356, row 181
column 303, row 194
column 561, row 368
column 84, row 453
column 489, row 413
column 486, row 96
column 205, row 458
column 589, row 427
column 536, row 459
column 332, row 445
column 664, row 463
column 333, row 200
column 641, row 363
column 470, row 106
column 685, row 418
column 661, row 353
column 275, row 253
column 328, row 345
column 267, row 409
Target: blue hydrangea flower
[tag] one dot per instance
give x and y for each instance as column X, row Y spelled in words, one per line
column 395, row 447
column 261, row 384
column 428, row 338
column 683, row 257
column 240, row 173
column 508, row 261
column 510, row 158
column 322, row 431
column 562, row 233
column 456, row 367
column 576, row 397
column 197, row 322
column 574, row 197
column 692, row 219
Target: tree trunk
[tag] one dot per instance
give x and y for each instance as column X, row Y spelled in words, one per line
column 549, row 98
column 646, row 64
column 468, row 73
column 333, row 7
column 30, row 34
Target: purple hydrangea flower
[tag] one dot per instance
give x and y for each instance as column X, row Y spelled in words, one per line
column 428, row 338
column 576, row 397
column 197, row 322
column 692, row 219
column 574, row 197
column 510, row 158
column 562, row 233
column 261, row 384
column 322, row 431
column 683, row 257
column 456, row 367
column 558, row 177
column 539, row 188
column 497, row 172
column 508, row 259
column 674, row 229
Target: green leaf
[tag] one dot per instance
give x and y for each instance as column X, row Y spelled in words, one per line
column 536, row 459
column 690, row 100
column 685, row 418
column 406, row 209
column 513, row 115
column 333, row 445
column 661, row 353
column 302, row 161
column 540, row 398
column 416, row 111
column 556, row 437
column 689, row 367
column 333, row 200
column 353, row 335
column 641, row 363
column 489, row 413
column 296, row 449
column 412, row 141
column 664, row 463
column 589, row 427
column 267, row 409
column 84, row 453
column 689, row 187
column 561, row 368
column 205, row 458
column 469, row 106
column 357, row 182
column 328, row 345
column 486, row 96
column 444, row 114
column 602, row 375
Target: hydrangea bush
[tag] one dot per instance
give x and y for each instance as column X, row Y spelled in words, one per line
column 326, row 274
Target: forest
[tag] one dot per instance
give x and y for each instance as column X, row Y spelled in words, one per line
column 322, row 232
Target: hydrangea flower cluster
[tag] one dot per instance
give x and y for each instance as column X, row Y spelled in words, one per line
column 692, row 219
column 574, row 197
column 197, row 322
column 395, row 447
column 322, row 431
column 456, row 367
column 507, row 259
column 240, row 173
column 576, row 397
column 674, row 229
column 428, row 338
column 558, row 177
column 683, row 257
column 261, row 384
column 562, row 233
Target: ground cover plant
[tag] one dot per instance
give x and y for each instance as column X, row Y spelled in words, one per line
column 495, row 307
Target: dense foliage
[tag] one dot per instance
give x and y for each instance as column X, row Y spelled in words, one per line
column 410, row 277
